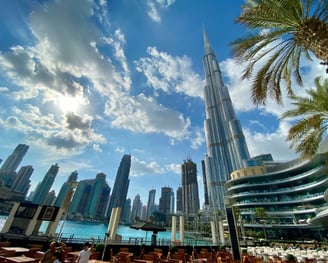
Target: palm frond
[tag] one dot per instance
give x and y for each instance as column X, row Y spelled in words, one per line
column 307, row 133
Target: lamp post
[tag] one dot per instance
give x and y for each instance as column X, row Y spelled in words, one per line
column 67, row 202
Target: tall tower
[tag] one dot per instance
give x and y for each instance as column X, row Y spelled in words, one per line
column 126, row 212
column 190, row 196
column 225, row 141
column 121, row 185
column 13, row 161
column 22, row 181
column 43, row 188
column 8, row 170
column 151, row 203
column 97, row 189
column 179, row 209
column 136, row 208
column 65, row 188
column 80, row 198
column 165, row 201
column 206, row 201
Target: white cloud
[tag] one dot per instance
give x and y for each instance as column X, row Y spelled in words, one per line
column 142, row 114
column 266, row 142
column 155, row 6
column 170, row 74
column 140, row 168
column 174, row 167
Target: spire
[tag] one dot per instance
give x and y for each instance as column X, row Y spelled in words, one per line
column 207, row 45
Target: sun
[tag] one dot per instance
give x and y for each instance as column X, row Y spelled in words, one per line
column 68, row 103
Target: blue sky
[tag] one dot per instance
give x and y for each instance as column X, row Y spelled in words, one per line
column 83, row 82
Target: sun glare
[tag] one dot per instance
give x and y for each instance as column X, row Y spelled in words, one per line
column 68, row 103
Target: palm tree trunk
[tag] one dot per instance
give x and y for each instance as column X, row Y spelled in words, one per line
column 313, row 35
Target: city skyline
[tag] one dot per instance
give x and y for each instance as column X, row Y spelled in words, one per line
column 83, row 83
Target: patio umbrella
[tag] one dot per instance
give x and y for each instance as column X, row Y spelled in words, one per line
column 149, row 226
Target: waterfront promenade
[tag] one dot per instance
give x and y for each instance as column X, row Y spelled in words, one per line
column 121, row 253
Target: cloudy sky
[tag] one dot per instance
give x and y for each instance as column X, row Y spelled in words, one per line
column 83, row 82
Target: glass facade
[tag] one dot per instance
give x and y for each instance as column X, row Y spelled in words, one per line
column 290, row 195
column 226, row 145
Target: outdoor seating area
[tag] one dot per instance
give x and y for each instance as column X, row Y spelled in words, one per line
column 279, row 254
column 273, row 253
column 13, row 254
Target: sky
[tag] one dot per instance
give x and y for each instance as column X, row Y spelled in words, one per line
column 83, row 82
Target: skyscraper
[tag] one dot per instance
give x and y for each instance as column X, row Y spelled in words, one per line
column 151, row 202
column 43, row 188
column 80, row 198
column 136, row 208
column 121, row 185
column 126, row 212
column 226, row 145
column 65, row 188
column 14, row 160
column 206, row 201
column 8, row 170
column 165, row 201
column 179, row 200
column 22, row 181
column 97, row 189
column 190, row 196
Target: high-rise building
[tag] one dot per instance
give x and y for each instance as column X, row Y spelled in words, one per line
column 226, row 145
column 80, row 199
column 165, row 201
column 103, row 203
column 14, row 160
column 206, row 201
column 179, row 200
column 136, row 208
column 50, row 198
column 65, row 188
column 97, row 190
column 126, row 212
column 8, row 170
column 190, row 196
column 22, row 181
column 290, row 194
column 151, row 203
column 43, row 188
column 121, row 185
column 90, row 199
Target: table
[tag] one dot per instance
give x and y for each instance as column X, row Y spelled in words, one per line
column 73, row 253
column 19, row 250
column 97, row 261
column 20, row 259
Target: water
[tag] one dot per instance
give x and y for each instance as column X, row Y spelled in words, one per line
column 84, row 230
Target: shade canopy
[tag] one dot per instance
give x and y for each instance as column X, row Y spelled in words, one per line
column 148, row 226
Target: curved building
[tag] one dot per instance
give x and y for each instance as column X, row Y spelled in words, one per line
column 291, row 196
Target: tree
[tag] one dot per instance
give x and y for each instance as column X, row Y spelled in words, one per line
column 307, row 133
column 283, row 31
column 261, row 213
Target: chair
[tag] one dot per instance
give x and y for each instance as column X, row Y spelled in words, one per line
column 8, row 253
column 31, row 252
column 148, row 257
column 38, row 255
column 95, row 255
column 2, row 259
column 5, row 244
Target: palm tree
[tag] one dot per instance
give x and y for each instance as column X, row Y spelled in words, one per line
column 307, row 132
column 261, row 213
column 283, row 31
